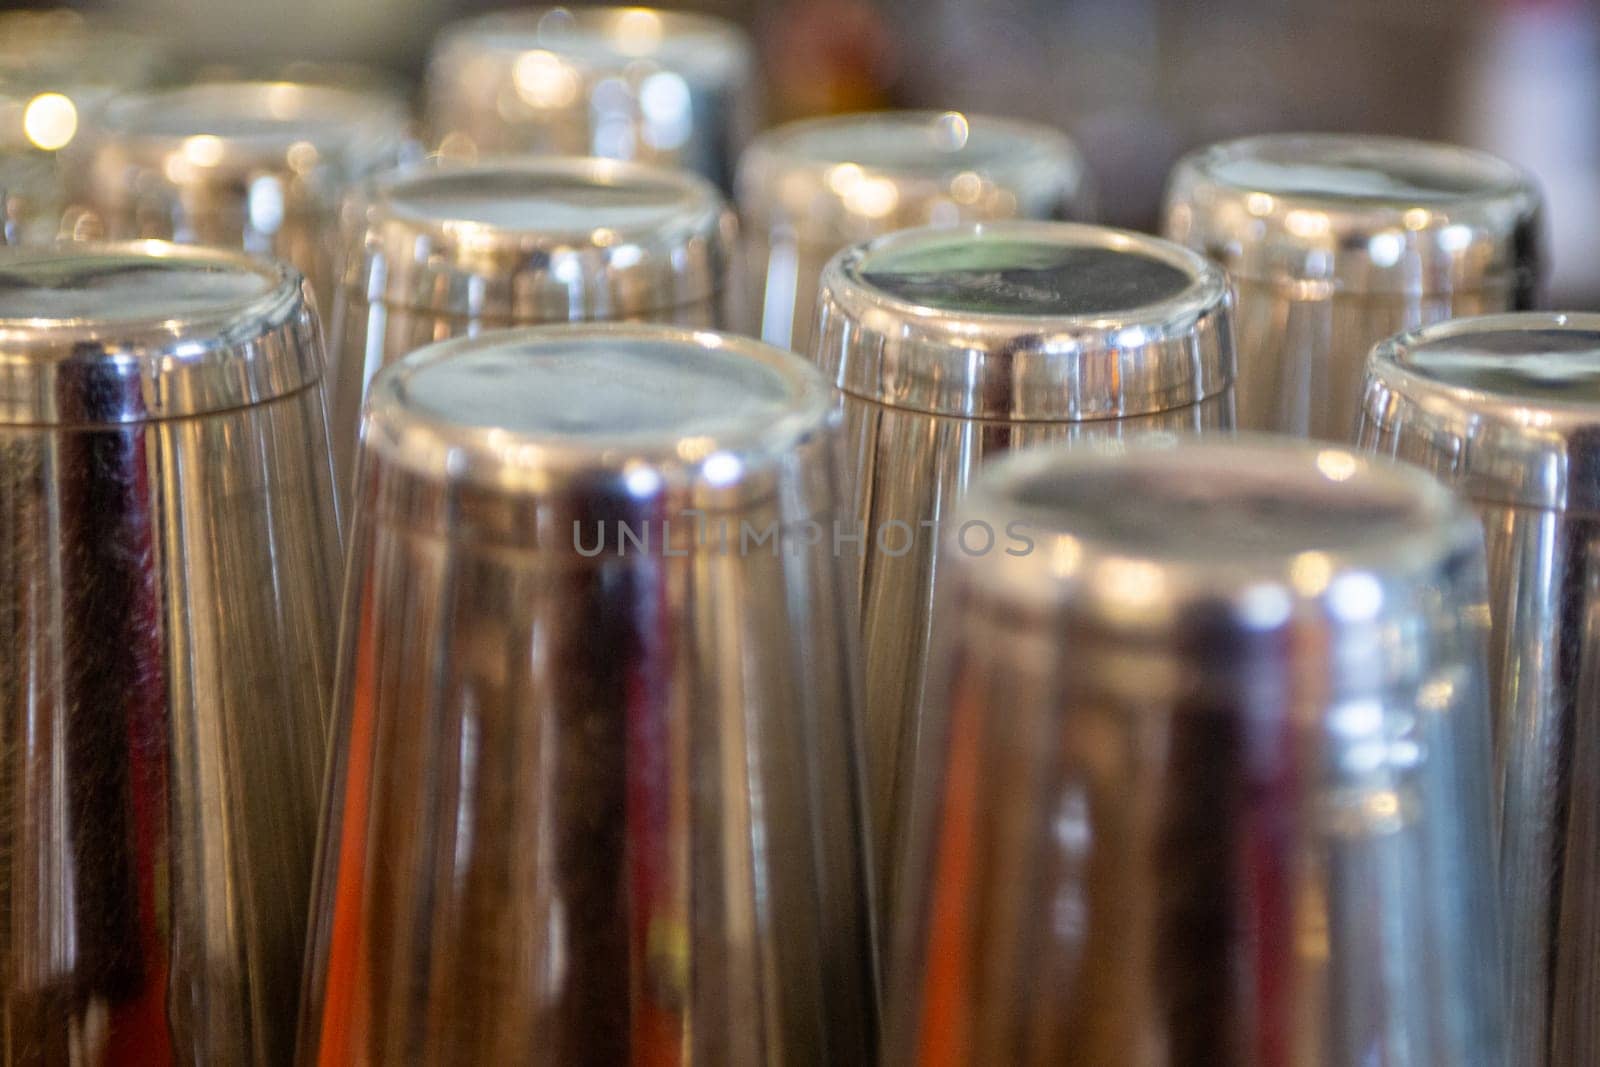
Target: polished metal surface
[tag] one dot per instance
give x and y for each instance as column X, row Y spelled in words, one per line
column 259, row 166
column 57, row 69
column 1336, row 242
column 595, row 795
column 1507, row 409
column 633, row 83
column 951, row 346
column 1209, row 777
column 808, row 189
column 168, row 555
column 438, row 252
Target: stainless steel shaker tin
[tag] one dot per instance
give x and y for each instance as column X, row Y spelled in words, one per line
column 125, row 333
column 633, row 83
column 1336, row 242
column 1507, row 409
column 260, row 166
column 951, row 346
column 436, row 252
column 809, row 188
column 1025, row 322
column 1210, row 771
column 168, row 552
column 595, row 794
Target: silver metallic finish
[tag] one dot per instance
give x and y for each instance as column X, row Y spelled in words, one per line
column 260, row 166
column 1507, row 409
column 632, row 83
column 57, row 69
column 438, row 252
column 168, row 551
column 595, row 794
column 808, row 189
column 1335, row 242
column 951, row 346
column 1209, row 777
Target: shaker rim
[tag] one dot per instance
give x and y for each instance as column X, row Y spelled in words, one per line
column 696, row 46
column 208, row 350
column 845, row 161
column 280, row 283
column 698, row 211
column 1513, row 401
column 1335, row 532
column 811, row 141
column 1166, row 344
column 1359, row 212
column 506, row 231
column 1204, row 284
column 213, row 131
column 347, row 75
column 675, row 411
column 1443, row 173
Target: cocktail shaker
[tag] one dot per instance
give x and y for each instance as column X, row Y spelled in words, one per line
column 951, row 346
column 168, row 555
column 809, row 188
column 57, row 69
column 1211, row 777
column 595, row 794
column 1336, row 242
column 260, row 166
column 1507, row 408
column 634, row 83
column 436, row 252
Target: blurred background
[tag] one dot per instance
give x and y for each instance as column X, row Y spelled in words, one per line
column 1137, row 82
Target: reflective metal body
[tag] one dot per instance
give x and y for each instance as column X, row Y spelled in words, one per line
column 1507, row 408
column 433, row 253
column 57, row 69
column 633, row 83
column 950, row 346
column 260, row 166
column 1334, row 243
column 168, row 551
column 1210, row 769
column 808, row 189
column 595, row 795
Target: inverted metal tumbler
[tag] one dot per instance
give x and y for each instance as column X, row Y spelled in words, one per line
column 1335, row 243
column 168, row 551
column 951, row 346
column 808, row 189
column 57, row 69
column 1507, row 408
column 595, row 795
column 437, row 252
column 1211, row 782
column 663, row 87
column 260, row 166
